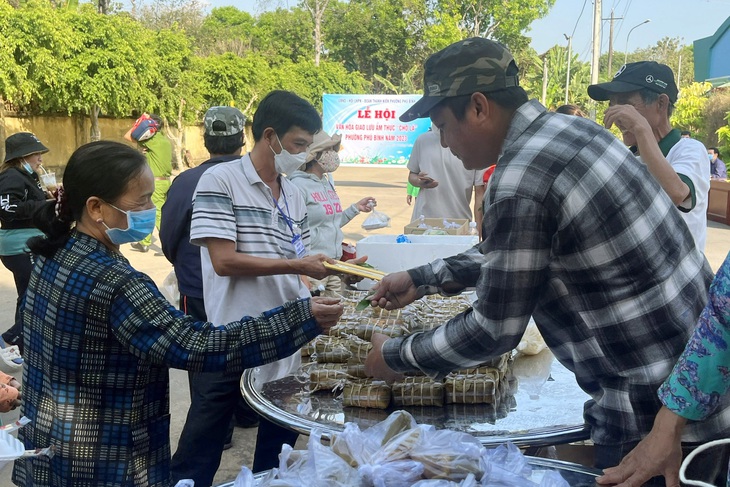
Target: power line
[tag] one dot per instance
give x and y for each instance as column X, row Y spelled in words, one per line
column 579, row 16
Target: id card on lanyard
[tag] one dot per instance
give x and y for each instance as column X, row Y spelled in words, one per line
column 296, row 240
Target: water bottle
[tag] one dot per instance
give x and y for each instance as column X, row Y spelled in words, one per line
column 474, row 232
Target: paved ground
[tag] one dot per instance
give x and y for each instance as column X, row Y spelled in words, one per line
column 385, row 184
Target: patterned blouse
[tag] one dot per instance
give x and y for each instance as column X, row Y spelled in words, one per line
column 99, row 341
column 701, row 376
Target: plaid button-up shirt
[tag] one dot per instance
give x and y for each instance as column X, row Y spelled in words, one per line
column 579, row 235
column 99, row 339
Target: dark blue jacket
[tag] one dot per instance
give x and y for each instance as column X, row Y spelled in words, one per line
column 175, row 228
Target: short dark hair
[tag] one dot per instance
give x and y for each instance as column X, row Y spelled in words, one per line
column 102, row 169
column 510, row 98
column 715, row 150
column 282, row 110
column 648, row 96
column 570, row 110
column 225, row 144
column 686, row 132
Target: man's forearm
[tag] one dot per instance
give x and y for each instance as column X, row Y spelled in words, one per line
column 660, row 168
column 249, row 266
column 414, row 179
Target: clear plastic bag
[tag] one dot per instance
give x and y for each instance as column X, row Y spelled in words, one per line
column 449, row 455
column 170, row 290
column 326, row 469
column 376, row 219
column 400, row 473
column 506, row 466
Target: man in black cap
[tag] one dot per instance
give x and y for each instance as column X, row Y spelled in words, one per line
column 577, row 234
column 641, row 99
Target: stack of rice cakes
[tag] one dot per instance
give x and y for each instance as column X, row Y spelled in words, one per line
column 336, row 362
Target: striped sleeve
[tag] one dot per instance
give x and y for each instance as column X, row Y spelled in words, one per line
column 213, row 214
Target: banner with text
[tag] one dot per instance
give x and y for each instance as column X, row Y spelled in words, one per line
column 370, row 129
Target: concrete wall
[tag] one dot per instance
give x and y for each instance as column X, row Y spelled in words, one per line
column 64, row 134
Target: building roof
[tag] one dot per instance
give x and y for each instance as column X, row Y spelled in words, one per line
column 702, row 55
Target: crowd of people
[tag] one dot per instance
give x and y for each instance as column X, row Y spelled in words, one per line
column 600, row 240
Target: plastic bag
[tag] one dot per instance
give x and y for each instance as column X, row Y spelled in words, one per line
column 170, row 290
column 469, row 481
column 325, row 468
column 450, row 455
column 532, row 341
column 376, row 219
column 400, row 473
column 506, row 466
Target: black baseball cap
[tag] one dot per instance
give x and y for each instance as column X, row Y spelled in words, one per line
column 465, row 67
column 22, row 144
column 636, row 76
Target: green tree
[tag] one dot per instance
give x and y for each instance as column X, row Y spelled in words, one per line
column 177, row 88
column 689, row 112
column 372, row 37
column 242, row 81
column 108, row 69
column 36, row 40
column 226, row 29
column 164, row 14
column 316, row 9
column 310, row 81
column 284, row 33
column 503, row 21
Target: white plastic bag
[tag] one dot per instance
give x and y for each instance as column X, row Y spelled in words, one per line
column 376, row 219
column 325, row 468
column 170, row 290
column 506, row 466
column 449, row 454
column 400, row 473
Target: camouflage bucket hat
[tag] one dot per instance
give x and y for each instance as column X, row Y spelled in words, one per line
column 231, row 121
column 465, row 67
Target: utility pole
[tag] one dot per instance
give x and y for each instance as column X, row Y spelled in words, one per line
column 544, row 77
column 595, row 61
column 570, row 58
column 610, row 42
column 679, row 71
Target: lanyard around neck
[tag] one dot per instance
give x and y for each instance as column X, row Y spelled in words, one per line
column 285, row 216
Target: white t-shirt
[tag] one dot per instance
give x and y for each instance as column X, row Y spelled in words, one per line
column 452, row 197
column 231, row 202
column 688, row 158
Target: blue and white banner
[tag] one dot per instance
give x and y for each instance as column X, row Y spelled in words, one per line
column 370, row 129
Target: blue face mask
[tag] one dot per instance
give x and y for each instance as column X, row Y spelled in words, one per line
column 139, row 225
column 710, row 157
column 27, row 167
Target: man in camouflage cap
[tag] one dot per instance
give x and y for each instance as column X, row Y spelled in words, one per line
column 223, row 121
column 577, row 235
column 223, row 136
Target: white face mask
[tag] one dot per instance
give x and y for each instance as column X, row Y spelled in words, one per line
column 285, row 162
column 329, row 161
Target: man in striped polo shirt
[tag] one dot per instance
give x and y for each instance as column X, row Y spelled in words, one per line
column 252, row 226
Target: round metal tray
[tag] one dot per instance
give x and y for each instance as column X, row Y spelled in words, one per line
column 552, row 417
column 576, row 475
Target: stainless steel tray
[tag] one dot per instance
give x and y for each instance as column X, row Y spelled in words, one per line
column 576, row 475
column 555, row 417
